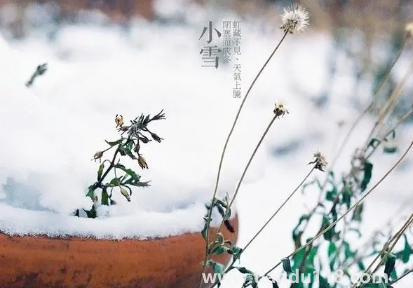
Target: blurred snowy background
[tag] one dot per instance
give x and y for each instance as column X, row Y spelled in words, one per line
column 103, row 64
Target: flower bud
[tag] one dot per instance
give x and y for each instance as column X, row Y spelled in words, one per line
column 41, row 69
column 280, row 109
column 125, row 193
column 98, row 155
column 156, row 137
column 219, row 238
column 142, row 162
column 144, row 139
column 119, row 120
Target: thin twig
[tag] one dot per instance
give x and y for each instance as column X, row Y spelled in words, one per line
column 278, row 210
column 248, row 165
column 386, row 251
column 401, row 277
column 364, row 112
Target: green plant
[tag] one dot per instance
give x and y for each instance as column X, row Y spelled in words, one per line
column 128, row 146
column 339, row 209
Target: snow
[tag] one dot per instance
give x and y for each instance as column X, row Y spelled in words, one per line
column 51, row 131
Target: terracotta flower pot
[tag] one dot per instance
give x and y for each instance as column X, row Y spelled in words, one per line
column 171, row 262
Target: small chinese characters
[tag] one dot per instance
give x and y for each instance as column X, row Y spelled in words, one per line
column 236, row 42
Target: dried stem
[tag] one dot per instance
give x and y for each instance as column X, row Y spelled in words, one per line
column 225, row 148
column 268, row 221
column 364, row 112
column 386, row 250
column 278, row 210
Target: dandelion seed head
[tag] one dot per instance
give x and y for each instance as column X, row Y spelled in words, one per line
column 280, row 109
column 320, row 161
column 294, row 19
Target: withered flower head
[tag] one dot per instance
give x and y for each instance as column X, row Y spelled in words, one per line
column 142, row 162
column 119, row 120
column 144, row 139
column 319, row 161
column 280, row 109
column 156, row 138
column 219, row 238
column 125, row 193
column 98, row 155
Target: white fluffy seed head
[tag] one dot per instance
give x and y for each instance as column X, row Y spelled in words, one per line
column 294, row 19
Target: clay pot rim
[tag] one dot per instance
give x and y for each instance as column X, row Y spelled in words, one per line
column 234, row 217
column 160, row 229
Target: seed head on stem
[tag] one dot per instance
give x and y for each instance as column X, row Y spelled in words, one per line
column 294, row 19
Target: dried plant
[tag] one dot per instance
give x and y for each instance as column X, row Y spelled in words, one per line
column 339, row 206
column 127, row 146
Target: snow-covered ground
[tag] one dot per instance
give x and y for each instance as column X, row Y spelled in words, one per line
column 51, row 130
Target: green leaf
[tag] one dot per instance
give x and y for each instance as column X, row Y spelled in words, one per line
column 235, row 251
column 374, row 143
column 331, row 195
column 323, row 283
column 220, row 202
column 311, row 284
column 390, row 265
column 127, row 150
column 219, row 250
column 393, row 275
column 330, row 233
column 244, row 270
column 91, row 213
column 347, row 197
column 368, row 168
column 115, row 182
column 407, row 251
column 90, row 192
column 204, row 231
column 297, row 233
column 389, row 149
column 297, row 259
column 105, row 197
column 361, row 266
column 100, row 171
column 332, row 255
column 129, row 172
column 217, row 269
column 287, row 265
column 358, row 210
column 310, row 259
column 250, row 281
column 348, row 253
column 332, row 249
column 113, row 143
